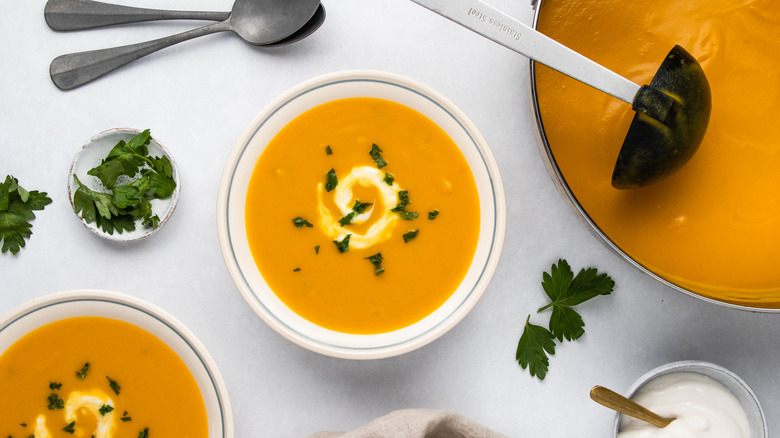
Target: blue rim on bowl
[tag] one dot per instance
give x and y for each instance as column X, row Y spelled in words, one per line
column 40, row 311
column 738, row 387
column 92, row 153
column 232, row 196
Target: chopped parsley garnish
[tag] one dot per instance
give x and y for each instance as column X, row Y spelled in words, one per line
column 331, row 181
column 53, row 385
column 105, row 409
column 408, row 215
column 403, row 201
column 343, row 245
column 144, row 433
column 346, row 220
column 410, row 235
column 300, row 222
column 125, row 417
column 389, row 179
column 16, row 212
column 358, row 208
column 69, row 427
column 376, row 260
column 297, row 270
column 114, row 386
column 82, row 373
column 380, row 162
column 317, row 249
column 55, row 402
column 328, row 150
column 432, row 215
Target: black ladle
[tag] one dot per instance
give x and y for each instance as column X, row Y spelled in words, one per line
column 672, row 111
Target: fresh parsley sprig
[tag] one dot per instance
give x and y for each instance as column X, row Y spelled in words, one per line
column 565, row 291
column 130, row 202
column 16, row 212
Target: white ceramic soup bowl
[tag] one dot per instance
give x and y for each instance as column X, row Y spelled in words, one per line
column 61, row 305
column 231, row 201
column 732, row 382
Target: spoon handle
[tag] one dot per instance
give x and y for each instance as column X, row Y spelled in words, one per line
column 89, row 14
column 76, row 69
column 512, row 34
column 617, row 402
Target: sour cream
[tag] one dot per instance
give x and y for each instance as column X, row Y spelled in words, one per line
column 382, row 229
column 703, row 408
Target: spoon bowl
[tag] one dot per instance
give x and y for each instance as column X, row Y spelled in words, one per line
column 258, row 22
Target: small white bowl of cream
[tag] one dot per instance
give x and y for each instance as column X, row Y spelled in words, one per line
column 707, row 400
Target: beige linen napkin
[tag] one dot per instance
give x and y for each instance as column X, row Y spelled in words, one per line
column 417, row 423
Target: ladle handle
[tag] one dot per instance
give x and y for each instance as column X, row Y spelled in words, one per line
column 76, row 69
column 617, row 402
column 507, row 31
column 89, row 14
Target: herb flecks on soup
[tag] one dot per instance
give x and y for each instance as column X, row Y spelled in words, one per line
column 362, row 180
column 97, row 377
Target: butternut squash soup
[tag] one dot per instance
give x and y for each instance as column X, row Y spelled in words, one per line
column 97, row 377
column 362, row 215
column 714, row 227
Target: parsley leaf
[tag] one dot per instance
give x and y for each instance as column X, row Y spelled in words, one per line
column 70, row 427
column 317, row 249
column 533, row 347
column 403, row 201
column 16, row 212
column 328, row 150
column 301, row 222
column 343, row 245
column 358, row 208
column 432, row 215
column 376, row 260
column 410, row 235
column 331, row 181
column 144, row 433
column 82, row 373
column 54, row 385
column 565, row 291
column 389, row 179
column 380, row 162
column 55, row 402
column 114, row 386
column 104, row 409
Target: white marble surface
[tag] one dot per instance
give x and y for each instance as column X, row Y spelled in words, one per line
column 198, row 96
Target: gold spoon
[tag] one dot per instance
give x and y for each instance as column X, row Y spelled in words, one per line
column 615, row 401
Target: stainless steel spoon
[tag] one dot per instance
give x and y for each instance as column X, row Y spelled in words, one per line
column 611, row 399
column 89, row 14
column 258, row 22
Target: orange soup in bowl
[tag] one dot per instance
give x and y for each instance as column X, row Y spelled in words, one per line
column 97, row 377
column 362, row 215
column 714, row 227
